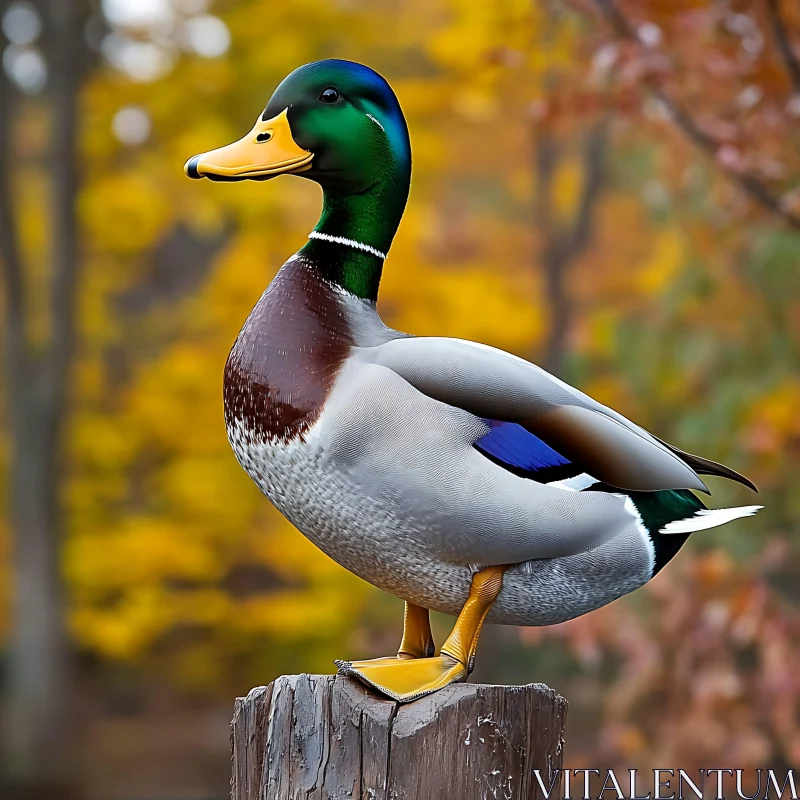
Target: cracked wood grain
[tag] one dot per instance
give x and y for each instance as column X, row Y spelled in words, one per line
column 325, row 737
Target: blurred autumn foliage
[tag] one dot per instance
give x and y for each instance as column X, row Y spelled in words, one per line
column 610, row 189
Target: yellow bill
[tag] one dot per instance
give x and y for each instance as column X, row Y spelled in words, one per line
column 268, row 149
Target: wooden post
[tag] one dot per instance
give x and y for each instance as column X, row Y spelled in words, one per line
column 325, row 737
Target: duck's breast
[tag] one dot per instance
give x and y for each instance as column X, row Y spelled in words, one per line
column 286, row 358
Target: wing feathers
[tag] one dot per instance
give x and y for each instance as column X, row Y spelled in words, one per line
column 495, row 385
column 521, row 453
column 613, row 453
column 705, row 466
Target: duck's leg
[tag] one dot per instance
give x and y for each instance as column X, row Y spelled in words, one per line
column 406, row 679
column 417, row 637
column 417, row 641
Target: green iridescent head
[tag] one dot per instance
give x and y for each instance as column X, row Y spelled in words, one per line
column 344, row 115
column 337, row 123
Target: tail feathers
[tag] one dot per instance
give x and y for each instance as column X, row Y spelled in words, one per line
column 708, row 518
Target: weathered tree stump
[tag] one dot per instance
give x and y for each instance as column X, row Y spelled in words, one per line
column 325, row 737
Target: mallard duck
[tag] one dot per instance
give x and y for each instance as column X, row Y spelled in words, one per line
column 451, row 474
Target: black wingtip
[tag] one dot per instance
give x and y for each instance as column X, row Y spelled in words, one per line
column 705, row 466
column 721, row 471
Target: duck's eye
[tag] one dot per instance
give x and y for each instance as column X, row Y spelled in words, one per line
column 329, row 95
column 264, row 137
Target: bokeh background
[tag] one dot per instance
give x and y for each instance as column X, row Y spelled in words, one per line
column 609, row 189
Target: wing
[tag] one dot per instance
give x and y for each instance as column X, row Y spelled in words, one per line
column 574, row 428
column 521, row 453
column 415, row 460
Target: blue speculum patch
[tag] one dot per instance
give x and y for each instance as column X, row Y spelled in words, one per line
column 515, row 447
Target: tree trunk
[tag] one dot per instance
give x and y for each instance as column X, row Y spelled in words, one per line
column 319, row 737
column 38, row 687
column 562, row 242
column 37, row 691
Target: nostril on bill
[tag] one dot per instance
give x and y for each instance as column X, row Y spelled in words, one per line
column 191, row 167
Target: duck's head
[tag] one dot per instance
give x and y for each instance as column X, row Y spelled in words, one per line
column 335, row 122
column 339, row 124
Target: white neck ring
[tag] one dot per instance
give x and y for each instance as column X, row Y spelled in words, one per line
column 365, row 248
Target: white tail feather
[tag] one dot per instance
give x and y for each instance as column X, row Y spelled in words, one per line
column 709, row 518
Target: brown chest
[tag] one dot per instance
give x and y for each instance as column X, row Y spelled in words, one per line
column 286, row 357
